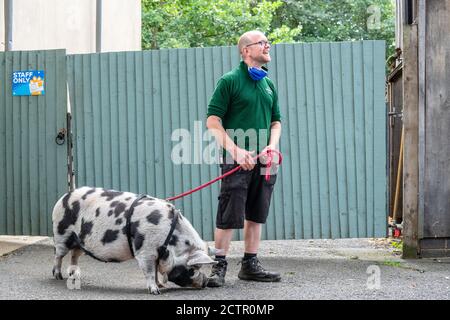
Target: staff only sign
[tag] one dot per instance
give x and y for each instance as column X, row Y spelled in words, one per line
column 28, row 83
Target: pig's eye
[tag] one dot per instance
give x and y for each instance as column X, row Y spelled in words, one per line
column 191, row 272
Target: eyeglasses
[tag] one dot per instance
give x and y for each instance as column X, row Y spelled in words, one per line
column 261, row 43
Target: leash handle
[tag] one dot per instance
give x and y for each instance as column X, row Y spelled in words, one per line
column 269, row 164
column 269, row 161
column 238, row 167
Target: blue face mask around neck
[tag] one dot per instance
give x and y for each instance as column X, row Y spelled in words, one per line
column 256, row 74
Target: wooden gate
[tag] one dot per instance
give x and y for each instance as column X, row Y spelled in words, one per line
column 33, row 167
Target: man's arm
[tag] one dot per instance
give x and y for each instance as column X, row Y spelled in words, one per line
column 275, row 134
column 214, row 124
column 241, row 156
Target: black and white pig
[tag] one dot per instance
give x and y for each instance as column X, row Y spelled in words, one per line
column 100, row 223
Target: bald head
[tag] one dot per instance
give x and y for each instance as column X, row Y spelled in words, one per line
column 247, row 38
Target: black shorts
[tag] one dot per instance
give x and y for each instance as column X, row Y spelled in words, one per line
column 244, row 194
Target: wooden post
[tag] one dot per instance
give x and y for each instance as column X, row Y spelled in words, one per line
column 411, row 141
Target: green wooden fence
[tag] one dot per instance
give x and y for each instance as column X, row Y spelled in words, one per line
column 333, row 180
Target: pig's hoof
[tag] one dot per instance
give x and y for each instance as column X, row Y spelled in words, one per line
column 161, row 286
column 154, row 290
column 57, row 274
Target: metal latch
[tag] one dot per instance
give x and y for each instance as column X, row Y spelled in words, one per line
column 61, row 137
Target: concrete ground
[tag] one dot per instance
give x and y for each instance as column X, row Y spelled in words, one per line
column 311, row 269
column 9, row 244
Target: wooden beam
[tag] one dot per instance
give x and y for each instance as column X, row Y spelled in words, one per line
column 434, row 123
column 411, row 137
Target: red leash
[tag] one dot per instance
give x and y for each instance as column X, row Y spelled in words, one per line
column 267, row 176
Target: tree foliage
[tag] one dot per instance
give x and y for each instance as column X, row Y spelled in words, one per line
column 339, row 20
column 201, row 23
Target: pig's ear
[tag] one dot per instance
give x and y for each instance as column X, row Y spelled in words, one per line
column 199, row 258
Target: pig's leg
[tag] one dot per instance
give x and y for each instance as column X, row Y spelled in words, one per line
column 76, row 253
column 63, row 244
column 161, row 284
column 148, row 266
column 60, row 251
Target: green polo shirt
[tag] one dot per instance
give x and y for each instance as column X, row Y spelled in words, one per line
column 245, row 106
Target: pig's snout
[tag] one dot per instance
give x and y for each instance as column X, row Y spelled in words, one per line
column 201, row 281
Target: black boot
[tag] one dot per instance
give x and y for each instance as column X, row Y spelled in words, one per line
column 252, row 270
column 217, row 276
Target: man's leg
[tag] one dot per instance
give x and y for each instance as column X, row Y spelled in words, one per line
column 222, row 241
column 251, row 267
column 257, row 209
column 252, row 236
column 230, row 216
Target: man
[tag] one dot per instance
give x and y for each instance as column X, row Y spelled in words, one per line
column 244, row 99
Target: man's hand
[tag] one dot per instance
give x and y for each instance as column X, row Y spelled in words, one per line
column 244, row 158
column 264, row 159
